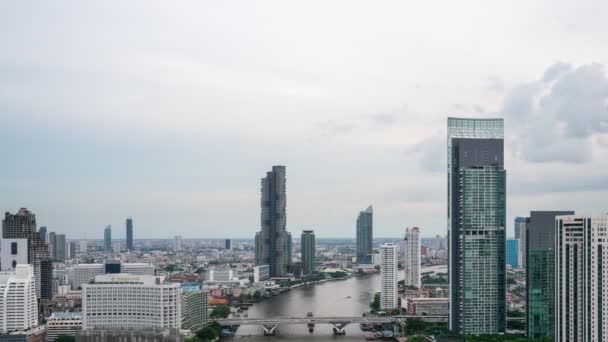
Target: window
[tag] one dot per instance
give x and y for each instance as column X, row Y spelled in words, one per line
column 13, row 248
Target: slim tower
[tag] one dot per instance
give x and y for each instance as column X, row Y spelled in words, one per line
column 308, row 251
column 107, row 239
column 273, row 242
column 389, row 256
column 411, row 243
column 365, row 235
column 129, row 227
column 476, row 226
column 521, row 226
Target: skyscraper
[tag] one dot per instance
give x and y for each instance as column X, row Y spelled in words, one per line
column 389, row 259
column 308, row 251
column 513, row 253
column 365, row 235
column 411, row 243
column 177, row 243
column 273, row 241
column 581, row 280
column 129, row 234
column 52, row 241
column 476, row 226
column 540, row 272
column 42, row 232
column 520, row 226
column 228, row 244
column 107, row 239
column 59, row 247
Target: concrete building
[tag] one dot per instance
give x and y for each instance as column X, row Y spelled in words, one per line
column 177, row 243
column 389, row 255
column 273, row 241
column 476, row 226
column 426, row 306
column 42, row 231
column 13, row 252
column 129, row 233
column 130, row 335
column 411, row 266
column 513, row 253
column 59, row 247
column 221, row 275
column 521, row 224
column 85, row 273
column 71, row 250
column 107, row 239
column 18, row 303
column 63, row 324
column 83, row 246
column 365, row 236
column 581, row 280
column 308, row 251
column 195, row 308
column 261, row 273
column 123, row 301
column 540, row 272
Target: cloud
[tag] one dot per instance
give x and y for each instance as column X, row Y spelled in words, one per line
column 431, row 153
column 554, row 118
column 384, row 119
column 332, row 127
column 496, row 84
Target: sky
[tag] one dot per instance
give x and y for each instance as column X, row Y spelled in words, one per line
column 171, row 113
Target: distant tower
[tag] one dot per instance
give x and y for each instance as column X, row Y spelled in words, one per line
column 273, row 241
column 411, row 243
column 521, row 228
column 389, row 258
column 177, row 243
column 52, row 241
column 513, row 257
column 59, row 247
column 42, row 232
column 228, row 244
column 308, row 251
column 107, row 239
column 365, row 235
column 129, row 234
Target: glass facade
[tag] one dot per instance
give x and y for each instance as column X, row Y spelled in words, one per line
column 513, row 253
column 541, row 286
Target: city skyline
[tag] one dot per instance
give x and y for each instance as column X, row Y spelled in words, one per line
column 173, row 128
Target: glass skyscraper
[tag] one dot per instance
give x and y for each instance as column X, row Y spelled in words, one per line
column 513, row 252
column 365, row 235
column 476, row 226
column 107, row 239
column 129, row 227
column 308, row 251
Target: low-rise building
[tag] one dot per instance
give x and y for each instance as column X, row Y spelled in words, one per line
column 63, row 324
column 426, row 306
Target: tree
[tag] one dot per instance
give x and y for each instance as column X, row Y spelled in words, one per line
column 414, row 326
column 220, row 311
column 170, row 268
column 65, row 339
column 375, row 304
column 210, row 332
column 257, row 294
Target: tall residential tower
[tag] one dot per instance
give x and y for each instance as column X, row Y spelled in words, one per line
column 129, row 227
column 365, row 235
column 389, row 260
column 411, row 244
column 273, row 242
column 308, row 251
column 107, row 239
column 476, row 226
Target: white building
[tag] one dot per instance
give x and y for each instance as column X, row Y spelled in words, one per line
column 581, row 279
column 221, row 275
column 389, row 258
column 261, row 273
column 12, row 253
column 123, row 301
column 84, row 273
column 18, row 304
column 411, row 243
column 177, row 243
column 63, row 324
column 82, row 246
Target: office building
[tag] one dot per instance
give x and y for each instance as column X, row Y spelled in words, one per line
column 476, row 226
column 125, row 301
column 227, row 244
column 107, row 239
column 513, row 253
column 273, row 242
column 261, row 273
column 42, row 233
column 195, row 308
column 389, row 256
column 83, row 246
column 59, row 247
column 308, row 251
column 540, row 272
column 129, row 228
column 411, row 266
column 177, row 243
column 63, row 324
column 581, row 280
column 71, row 250
column 22, row 225
column 365, row 236
column 86, row 273
column 18, row 304
column 51, row 243
column 520, row 226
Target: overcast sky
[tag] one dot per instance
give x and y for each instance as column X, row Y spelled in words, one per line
column 172, row 112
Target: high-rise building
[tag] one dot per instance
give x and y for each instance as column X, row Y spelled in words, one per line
column 177, row 243
column 124, row 301
column 52, row 241
column 227, row 244
column 308, row 251
column 389, row 260
column 581, row 279
column 129, row 227
column 195, row 312
column 513, row 253
column 83, row 246
column 540, row 272
column 273, row 241
column 411, row 243
column 365, row 236
column 71, row 250
column 520, row 226
column 42, row 232
column 59, row 246
column 22, row 225
column 107, row 239
column 476, row 226
column 18, row 305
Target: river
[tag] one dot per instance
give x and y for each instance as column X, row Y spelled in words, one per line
column 349, row 297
